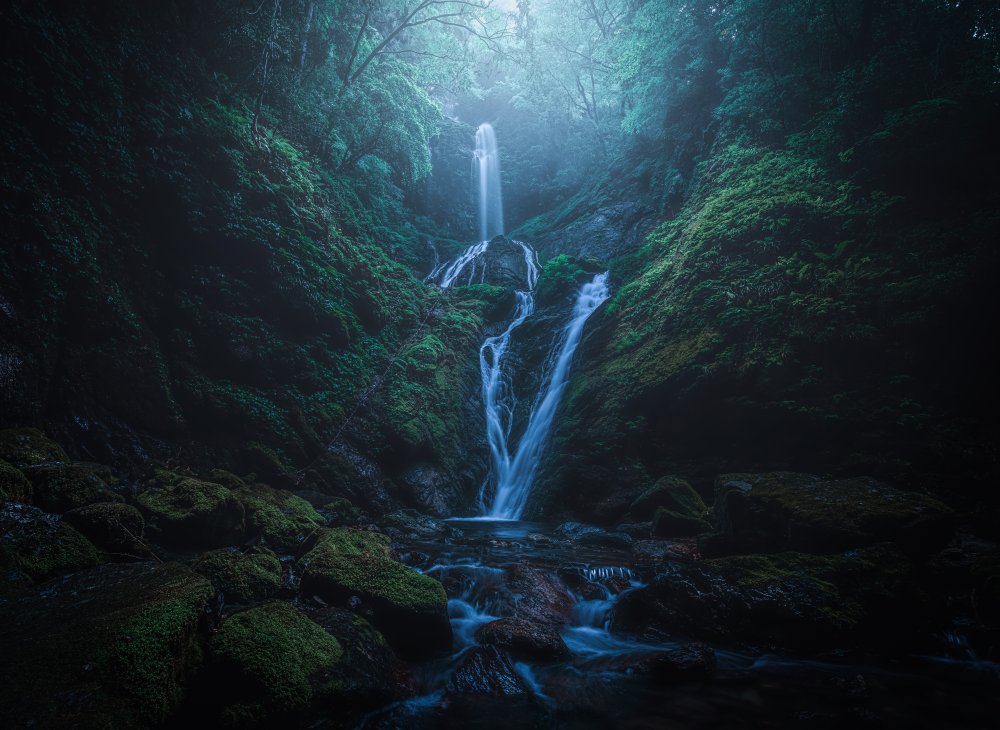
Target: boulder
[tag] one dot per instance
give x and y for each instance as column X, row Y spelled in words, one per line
column 241, row 577
column 282, row 520
column 35, row 546
column 784, row 601
column 685, row 663
column 106, row 647
column 591, row 535
column 430, row 489
column 193, row 513
column 62, row 487
column 113, row 526
column 14, row 486
column 485, row 670
column 23, row 447
column 370, row 674
column 353, row 567
column 669, row 492
column 523, row 639
column 542, row 599
column 789, row 511
column 272, row 663
column 504, row 265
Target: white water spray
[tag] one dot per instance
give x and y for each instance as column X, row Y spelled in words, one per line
column 486, row 163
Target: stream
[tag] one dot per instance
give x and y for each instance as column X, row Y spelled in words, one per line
column 611, row 681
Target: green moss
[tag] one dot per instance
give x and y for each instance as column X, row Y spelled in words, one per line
column 670, row 492
column 275, row 656
column 281, row 519
column 115, row 527
column 193, row 512
column 669, row 523
column 241, row 577
column 28, row 446
column 62, row 487
column 14, row 487
column 342, row 511
column 40, row 546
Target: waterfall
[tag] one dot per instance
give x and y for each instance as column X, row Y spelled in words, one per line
column 515, row 476
column 487, row 162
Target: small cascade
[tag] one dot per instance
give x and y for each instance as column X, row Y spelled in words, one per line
column 514, row 476
column 486, row 165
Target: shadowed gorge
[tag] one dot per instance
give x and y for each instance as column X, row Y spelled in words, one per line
column 499, row 363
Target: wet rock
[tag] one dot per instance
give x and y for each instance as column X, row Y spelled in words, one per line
column 113, row 526
column 105, row 647
column 789, row 600
column 193, row 513
column 671, row 493
column 370, row 675
column 272, row 663
column 667, row 523
column 35, row 546
column 540, row 598
column 241, row 577
column 636, row 530
column 524, row 639
column 24, row 447
column 504, row 265
column 14, row 486
column 409, row 608
column 487, row 671
column 685, row 663
column 62, row 487
column 789, row 511
column 280, row 519
column 590, row 535
column 411, row 524
column 655, row 552
column 430, row 489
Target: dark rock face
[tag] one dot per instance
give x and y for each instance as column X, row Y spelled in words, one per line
column 791, row 600
column 590, row 535
column 670, row 492
column 487, row 671
column 606, row 232
column 544, row 600
column 688, row 662
column 668, row 523
column 431, row 489
column 105, row 647
column 789, row 511
column 504, row 264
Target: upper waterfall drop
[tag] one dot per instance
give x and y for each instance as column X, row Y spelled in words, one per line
column 486, row 162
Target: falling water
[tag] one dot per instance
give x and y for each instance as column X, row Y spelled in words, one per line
column 487, row 163
column 514, row 477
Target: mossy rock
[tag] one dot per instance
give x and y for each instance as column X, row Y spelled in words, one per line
column 106, row 647
column 859, row 599
column 193, row 513
column 279, row 518
column 409, row 608
column 341, row 511
column 62, row 487
column 789, row 511
column 271, row 663
column 113, row 526
column 14, row 486
column 28, row 446
column 36, row 545
column 671, row 492
column 668, row 523
column 241, row 577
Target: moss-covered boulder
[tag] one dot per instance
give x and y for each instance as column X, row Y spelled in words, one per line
column 790, row 511
column 14, row 486
column 668, row 523
column 281, row 519
column 272, row 663
column 370, row 674
column 35, row 545
column 241, row 577
column 28, row 446
column 862, row 598
column 113, row 526
column 409, row 608
column 193, row 513
column 62, row 487
column 670, row 492
column 106, row 647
